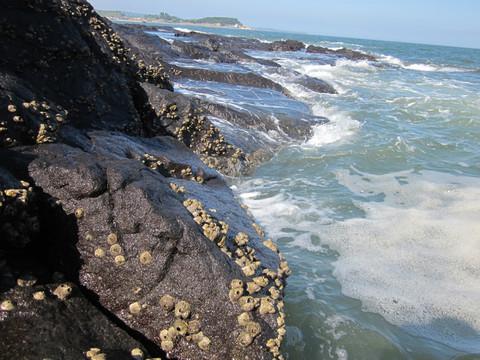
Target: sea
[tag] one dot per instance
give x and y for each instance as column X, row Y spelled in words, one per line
column 378, row 211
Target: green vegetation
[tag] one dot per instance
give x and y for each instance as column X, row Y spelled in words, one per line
column 163, row 17
column 110, row 13
column 166, row 18
column 223, row 21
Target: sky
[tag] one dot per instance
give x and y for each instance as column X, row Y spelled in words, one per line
column 438, row 22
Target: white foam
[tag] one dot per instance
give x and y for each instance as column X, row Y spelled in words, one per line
column 185, row 30
column 362, row 64
column 417, row 66
column 341, row 126
column 415, row 257
column 421, row 67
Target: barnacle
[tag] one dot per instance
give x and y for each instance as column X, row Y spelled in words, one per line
column 244, row 318
column 235, row 294
column 271, row 245
column 266, row 305
column 253, row 329
column 194, row 327
column 167, row 345
column 137, row 354
column 252, row 287
column 182, row 309
column 241, row 239
column 274, row 292
column 247, row 303
column 258, row 229
column 167, row 302
column 26, row 281
column 244, row 339
column 198, row 336
column 249, row 270
column 99, row 253
column 63, row 291
column 165, row 335
column 7, row 305
column 145, row 258
column 115, row 250
column 204, row 343
column 95, row 354
column 79, row 213
column 261, row 281
column 236, row 283
column 39, row 295
column 181, row 327
column 112, row 239
column 135, row 308
column 120, row 260
column 271, row 343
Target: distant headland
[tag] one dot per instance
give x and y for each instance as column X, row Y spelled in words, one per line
column 164, row 18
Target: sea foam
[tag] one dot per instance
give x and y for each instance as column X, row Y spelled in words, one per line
column 415, row 256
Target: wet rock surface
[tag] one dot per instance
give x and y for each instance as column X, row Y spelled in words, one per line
column 119, row 237
column 342, row 53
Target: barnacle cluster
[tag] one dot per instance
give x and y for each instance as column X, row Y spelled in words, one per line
column 263, row 293
column 95, row 354
column 17, row 127
column 63, row 291
column 184, row 326
column 175, row 170
column 213, row 229
column 115, row 249
column 51, row 118
column 17, row 215
column 154, row 74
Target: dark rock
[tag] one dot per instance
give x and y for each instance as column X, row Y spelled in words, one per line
column 244, row 79
column 287, row 45
column 82, row 69
column 43, row 326
column 136, row 202
column 192, row 51
column 316, row 85
column 103, row 187
column 211, row 44
column 342, row 53
column 219, row 49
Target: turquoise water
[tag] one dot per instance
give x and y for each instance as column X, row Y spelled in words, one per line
column 378, row 213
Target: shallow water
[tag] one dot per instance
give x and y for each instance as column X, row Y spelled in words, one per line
column 378, row 212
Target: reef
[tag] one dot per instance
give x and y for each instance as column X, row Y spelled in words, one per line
column 119, row 236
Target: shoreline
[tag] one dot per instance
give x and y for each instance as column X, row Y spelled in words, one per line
column 163, row 23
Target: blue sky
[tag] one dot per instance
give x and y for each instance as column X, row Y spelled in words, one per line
column 442, row 22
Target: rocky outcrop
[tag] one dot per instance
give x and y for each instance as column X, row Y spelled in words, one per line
column 287, row 45
column 342, row 53
column 118, row 238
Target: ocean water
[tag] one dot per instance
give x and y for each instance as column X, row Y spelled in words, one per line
column 378, row 212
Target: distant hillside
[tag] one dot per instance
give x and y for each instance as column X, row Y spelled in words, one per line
column 166, row 18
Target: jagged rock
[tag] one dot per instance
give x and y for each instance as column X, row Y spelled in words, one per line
column 211, row 44
column 342, row 53
column 287, row 45
column 80, row 66
column 123, row 187
column 103, row 185
column 245, row 79
column 41, row 325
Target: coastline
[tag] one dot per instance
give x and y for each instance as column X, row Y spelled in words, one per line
column 140, row 20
